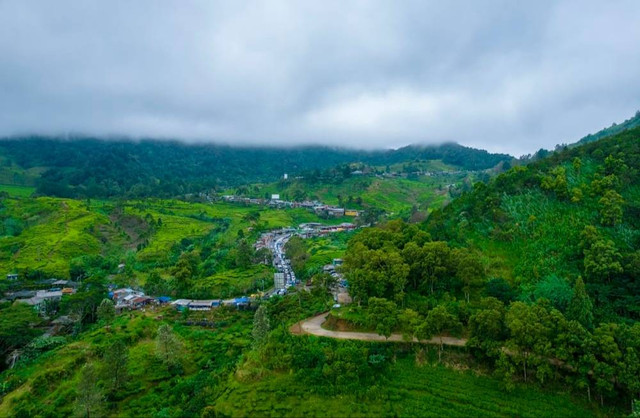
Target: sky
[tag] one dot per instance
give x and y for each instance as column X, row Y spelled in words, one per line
column 507, row 76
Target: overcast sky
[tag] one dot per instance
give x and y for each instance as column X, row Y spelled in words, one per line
column 498, row 75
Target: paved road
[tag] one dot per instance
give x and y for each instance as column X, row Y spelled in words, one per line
column 313, row 326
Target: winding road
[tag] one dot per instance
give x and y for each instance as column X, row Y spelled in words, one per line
column 313, row 326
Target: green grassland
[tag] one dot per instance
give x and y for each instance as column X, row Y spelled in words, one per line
column 48, row 233
column 408, row 390
column 393, row 195
column 17, row 191
column 48, row 385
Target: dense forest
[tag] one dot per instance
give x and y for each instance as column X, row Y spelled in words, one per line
column 538, row 269
column 82, row 168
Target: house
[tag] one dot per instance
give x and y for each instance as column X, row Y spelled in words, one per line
column 163, row 299
column 275, row 197
column 22, row 294
column 181, row 304
column 140, row 302
column 352, row 212
column 335, row 211
column 337, row 262
column 43, row 296
column 196, row 305
column 68, row 291
column 12, row 276
column 201, row 305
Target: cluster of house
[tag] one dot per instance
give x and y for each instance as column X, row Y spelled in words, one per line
column 318, row 207
column 129, row 299
column 207, row 305
column 314, row 229
column 53, row 291
column 402, row 174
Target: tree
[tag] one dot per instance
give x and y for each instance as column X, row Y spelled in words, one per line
column 375, row 273
column 556, row 181
column 244, row 255
column 436, row 258
column 17, row 327
column 106, row 310
column 437, row 322
column 527, row 325
column 611, row 208
column 168, row 347
column 487, row 327
column 500, row 289
column 580, row 307
column 90, row 400
column 115, row 364
column 469, row 270
column 409, row 321
column 261, row 325
column 577, row 165
column 156, row 285
column 602, row 260
column 382, row 315
column 185, row 269
column 555, row 289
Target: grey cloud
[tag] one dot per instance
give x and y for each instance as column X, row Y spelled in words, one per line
column 501, row 75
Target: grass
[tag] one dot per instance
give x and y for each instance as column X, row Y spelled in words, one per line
column 409, row 391
column 48, row 386
column 53, row 231
column 393, row 195
column 17, row 191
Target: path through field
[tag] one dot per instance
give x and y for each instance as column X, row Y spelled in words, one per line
column 313, row 326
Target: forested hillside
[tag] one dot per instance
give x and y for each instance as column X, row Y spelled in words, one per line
column 576, row 213
column 94, row 168
column 615, row 128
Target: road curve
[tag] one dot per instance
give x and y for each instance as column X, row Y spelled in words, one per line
column 313, row 326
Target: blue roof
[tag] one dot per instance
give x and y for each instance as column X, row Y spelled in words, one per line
column 164, row 299
column 243, row 299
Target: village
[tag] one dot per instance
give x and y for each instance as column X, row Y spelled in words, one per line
column 44, row 295
column 315, row 206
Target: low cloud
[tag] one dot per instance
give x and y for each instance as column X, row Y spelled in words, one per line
column 505, row 76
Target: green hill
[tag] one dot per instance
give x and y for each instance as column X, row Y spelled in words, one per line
column 576, row 213
column 84, row 167
column 630, row 123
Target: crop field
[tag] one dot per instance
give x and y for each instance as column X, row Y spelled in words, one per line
column 410, row 391
column 17, row 191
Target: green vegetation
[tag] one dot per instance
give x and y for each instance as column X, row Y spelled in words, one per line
column 17, row 191
column 89, row 168
column 409, row 390
column 135, row 365
column 536, row 270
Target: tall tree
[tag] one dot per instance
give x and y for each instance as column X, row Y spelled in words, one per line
column 106, row 310
column 115, row 364
column 610, row 206
column 437, row 322
column 261, row 325
column 90, row 400
column 602, row 260
column 168, row 346
column 382, row 315
column 580, row 307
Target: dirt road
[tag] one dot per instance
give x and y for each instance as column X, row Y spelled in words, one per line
column 313, row 326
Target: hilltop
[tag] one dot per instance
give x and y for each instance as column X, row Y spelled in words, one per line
column 85, row 167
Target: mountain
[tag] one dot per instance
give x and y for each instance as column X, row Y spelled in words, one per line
column 612, row 130
column 575, row 213
column 91, row 168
